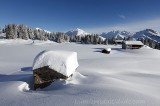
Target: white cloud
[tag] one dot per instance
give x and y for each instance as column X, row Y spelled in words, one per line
column 122, row 16
column 132, row 27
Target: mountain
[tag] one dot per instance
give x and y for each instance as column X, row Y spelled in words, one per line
column 43, row 30
column 148, row 33
column 116, row 34
column 77, row 32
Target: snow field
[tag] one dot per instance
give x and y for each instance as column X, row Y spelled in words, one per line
column 122, row 78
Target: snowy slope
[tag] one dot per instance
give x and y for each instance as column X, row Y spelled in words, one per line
column 29, row 41
column 148, row 33
column 76, row 32
column 14, row 41
column 122, row 78
column 120, row 35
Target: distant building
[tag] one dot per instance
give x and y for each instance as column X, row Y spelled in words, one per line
column 132, row 44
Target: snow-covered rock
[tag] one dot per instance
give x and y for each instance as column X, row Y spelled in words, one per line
column 64, row 62
column 49, row 66
column 106, row 50
column 77, row 32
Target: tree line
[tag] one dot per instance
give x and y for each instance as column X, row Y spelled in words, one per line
column 150, row 42
column 21, row 31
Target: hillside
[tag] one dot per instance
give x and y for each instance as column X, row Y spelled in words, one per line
column 148, row 33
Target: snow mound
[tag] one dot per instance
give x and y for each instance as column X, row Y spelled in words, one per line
column 24, row 87
column 64, row 62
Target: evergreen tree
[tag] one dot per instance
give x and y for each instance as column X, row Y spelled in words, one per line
column 11, row 31
column 22, row 32
column 30, row 33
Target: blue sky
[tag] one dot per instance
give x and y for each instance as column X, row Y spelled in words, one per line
column 91, row 15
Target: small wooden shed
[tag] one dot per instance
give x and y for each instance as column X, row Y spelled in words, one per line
column 132, row 44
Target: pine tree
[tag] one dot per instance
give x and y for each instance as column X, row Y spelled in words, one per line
column 106, row 41
column 30, row 33
column 22, row 32
column 11, row 31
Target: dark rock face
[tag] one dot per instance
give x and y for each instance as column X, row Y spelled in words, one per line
column 44, row 76
column 105, row 51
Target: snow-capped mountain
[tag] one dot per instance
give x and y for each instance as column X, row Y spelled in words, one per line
column 148, row 33
column 77, row 32
column 43, row 30
column 102, row 38
column 117, row 34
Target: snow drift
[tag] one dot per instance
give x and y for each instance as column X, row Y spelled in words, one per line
column 123, row 78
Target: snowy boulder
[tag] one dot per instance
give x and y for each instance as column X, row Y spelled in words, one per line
column 49, row 66
column 106, row 50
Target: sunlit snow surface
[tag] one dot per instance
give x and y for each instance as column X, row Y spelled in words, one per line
column 122, row 78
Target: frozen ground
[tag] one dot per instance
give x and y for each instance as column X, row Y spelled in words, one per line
column 122, row 78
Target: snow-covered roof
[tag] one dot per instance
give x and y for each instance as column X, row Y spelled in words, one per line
column 133, row 43
column 64, row 62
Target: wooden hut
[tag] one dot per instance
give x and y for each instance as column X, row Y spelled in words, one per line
column 132, row 44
